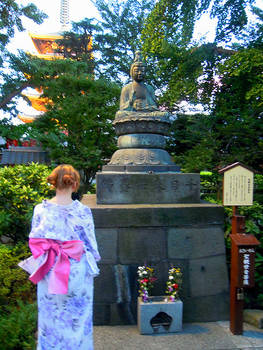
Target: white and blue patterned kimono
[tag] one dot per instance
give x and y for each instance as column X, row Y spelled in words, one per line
column 65, row 321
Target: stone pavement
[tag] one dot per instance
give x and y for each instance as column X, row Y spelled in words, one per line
column 194, row 336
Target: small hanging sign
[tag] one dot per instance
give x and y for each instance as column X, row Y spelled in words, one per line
column 237, row 185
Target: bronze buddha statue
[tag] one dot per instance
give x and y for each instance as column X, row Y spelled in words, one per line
column 138, row 98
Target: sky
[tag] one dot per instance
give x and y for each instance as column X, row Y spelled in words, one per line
column 78, row 9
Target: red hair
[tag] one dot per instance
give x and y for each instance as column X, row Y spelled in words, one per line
column 64, row 176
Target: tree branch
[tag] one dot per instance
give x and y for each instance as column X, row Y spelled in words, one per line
column 9, row 97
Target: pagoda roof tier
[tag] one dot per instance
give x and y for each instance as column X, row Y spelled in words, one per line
column 32, row 94
column 37, row 102
column 45, row 43
column 49, row 57
column 26, row 118
column 47, row 36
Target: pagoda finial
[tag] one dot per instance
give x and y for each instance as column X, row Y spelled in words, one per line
column 64, row 15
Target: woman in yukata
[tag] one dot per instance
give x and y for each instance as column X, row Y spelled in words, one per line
column 63, row 242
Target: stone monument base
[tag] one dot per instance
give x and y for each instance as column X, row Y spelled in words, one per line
column 147, row 187
column 189, row 236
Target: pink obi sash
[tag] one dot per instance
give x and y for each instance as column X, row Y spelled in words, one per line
column 58, row 281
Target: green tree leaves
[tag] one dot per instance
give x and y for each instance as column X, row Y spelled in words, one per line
column 11, row 15
column 77, row 128
column 121, row 25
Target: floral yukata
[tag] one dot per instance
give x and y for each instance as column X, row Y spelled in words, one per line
column 65, row 320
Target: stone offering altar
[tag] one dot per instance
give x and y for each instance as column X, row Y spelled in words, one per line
column 147, row 211
column 159, row 316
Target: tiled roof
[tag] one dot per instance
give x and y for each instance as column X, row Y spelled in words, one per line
column 24, row 155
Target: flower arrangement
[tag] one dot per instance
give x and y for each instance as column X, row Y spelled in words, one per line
column 146, row 279
column 174, row 283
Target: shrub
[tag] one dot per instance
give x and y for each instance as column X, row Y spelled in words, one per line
column 18, row 326
column 18, row 311
column 210, row 185
column 14, row 283
column 21, row 188
column 258, row 190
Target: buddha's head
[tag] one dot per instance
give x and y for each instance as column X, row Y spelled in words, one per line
column 138, row 68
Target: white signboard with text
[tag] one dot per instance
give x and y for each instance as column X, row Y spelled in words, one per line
column 238, row 186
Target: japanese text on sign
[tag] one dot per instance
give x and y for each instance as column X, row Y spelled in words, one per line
column 238, row 186
column 246, row 262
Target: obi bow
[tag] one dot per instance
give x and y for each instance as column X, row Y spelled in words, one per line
column 59, row 276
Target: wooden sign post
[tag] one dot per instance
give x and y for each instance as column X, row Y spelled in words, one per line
column 238, row 190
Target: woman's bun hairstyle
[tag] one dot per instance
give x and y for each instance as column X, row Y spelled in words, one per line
column 64, row 176
column 67, row 180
